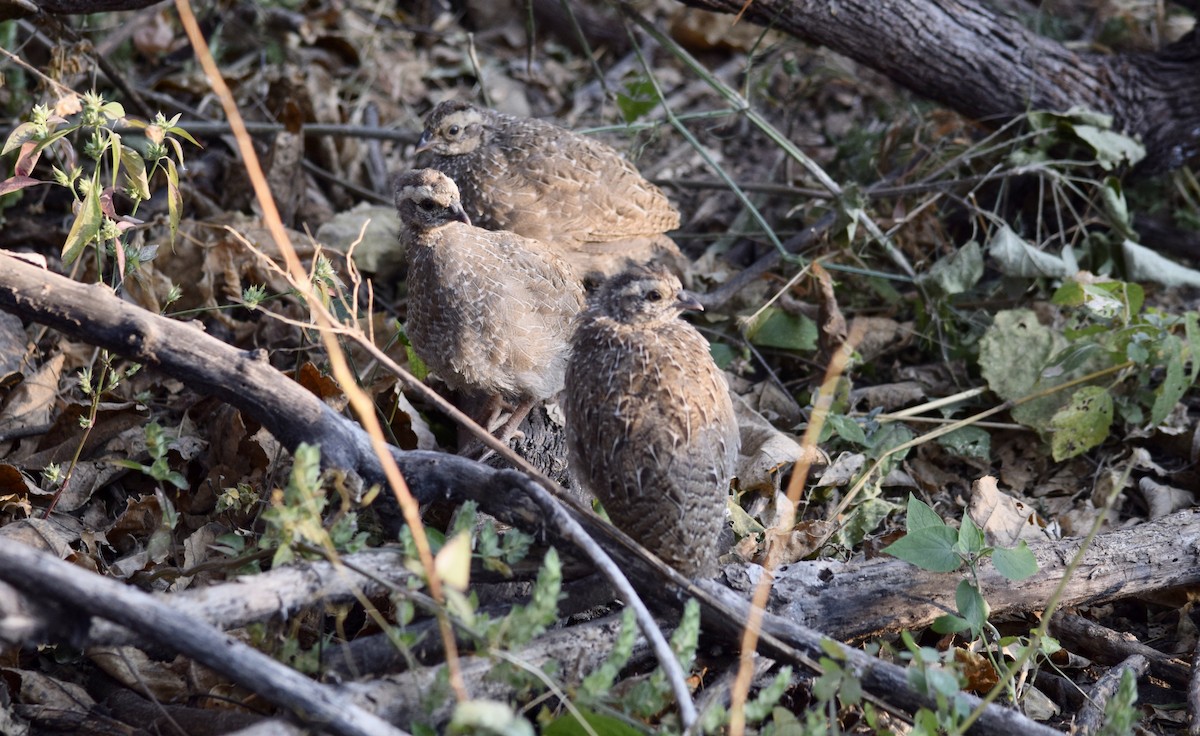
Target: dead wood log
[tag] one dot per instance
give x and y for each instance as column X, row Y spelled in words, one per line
column 886, row 594
column 989, row 66
column 1101, row 644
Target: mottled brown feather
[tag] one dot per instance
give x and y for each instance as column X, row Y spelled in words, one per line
column 487, row 310
column 548, row 183
column 650, row 424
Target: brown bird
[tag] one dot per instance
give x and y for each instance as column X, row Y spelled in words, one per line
column 650, row 425
column 548, row 183
column 488, row 311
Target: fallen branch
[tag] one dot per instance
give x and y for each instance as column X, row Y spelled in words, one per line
column 74, row 594
column 989, row 66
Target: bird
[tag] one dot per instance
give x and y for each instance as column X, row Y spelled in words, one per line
column 548, row 183
column 489, row 312
column 650, row 423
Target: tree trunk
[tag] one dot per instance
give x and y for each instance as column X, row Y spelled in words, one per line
column 988, row 66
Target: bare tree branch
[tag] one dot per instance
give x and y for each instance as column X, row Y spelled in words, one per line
column 989, row 66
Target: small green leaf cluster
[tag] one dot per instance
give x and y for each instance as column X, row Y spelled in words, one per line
column 1142, row 360
column 934, row 674
column 158, row 444
column 1120, row 712
column 647, row 697
column 933, row 545
column 116, row 167
column 94, row 387
column 524, row 623
column 297, row 513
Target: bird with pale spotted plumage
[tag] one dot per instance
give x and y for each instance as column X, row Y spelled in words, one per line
column 650, row 424
column 488, row 311
column 548, row 183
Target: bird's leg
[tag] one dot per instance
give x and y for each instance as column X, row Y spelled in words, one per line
column 509, row 429
column 503, row 432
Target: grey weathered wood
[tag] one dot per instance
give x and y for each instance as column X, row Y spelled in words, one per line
column 989, row 66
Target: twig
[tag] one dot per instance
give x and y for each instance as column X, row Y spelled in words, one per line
column 1105, row 646
column 487, row 99
column 1091, row 716
column 212, row 127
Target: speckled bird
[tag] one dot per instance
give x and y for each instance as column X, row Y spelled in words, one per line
column 548, row 183
column 488, row 311
column 650, row 424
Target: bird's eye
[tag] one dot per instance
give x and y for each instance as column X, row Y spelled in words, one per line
column 453, row 130
column 427, row 204
column 654, row 295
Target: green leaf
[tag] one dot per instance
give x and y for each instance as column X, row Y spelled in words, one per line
column 480, row 717
column 1121, row 714
column 20, row 134
column 1015, row 563
column 1191, row 325
column 847, row 428
column 1013, row 351
column 775, row 328
column 958, row 271
column 930, row 548
column 135, row 172
column 862, row 519
column 1174, row 385
column 968, row 442
column 950, row 624
column 970, row 538
column 1112, row 148
column 768, row 697
column 1143, row 264
column 174, row 200
column 113, row 110
column 568, row 725
column 722, row 354
column 971, row 605
column 597, row 683
column 1016, row 257
column 87, row 225
column 1011, row 355
column 1082, row 424
column 743, row 523
column 637, row 99
column 919, row 515
column 416, row 366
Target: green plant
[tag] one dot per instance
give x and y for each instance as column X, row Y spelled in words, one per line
column 1120, row 712
column 157, row 444
column 932, row 544
column 116, row 167
column 1131, row 358
column 297, row 513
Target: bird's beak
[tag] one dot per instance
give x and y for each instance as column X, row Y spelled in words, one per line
column 425, row 141
column 688, row 300
column 460, row 214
